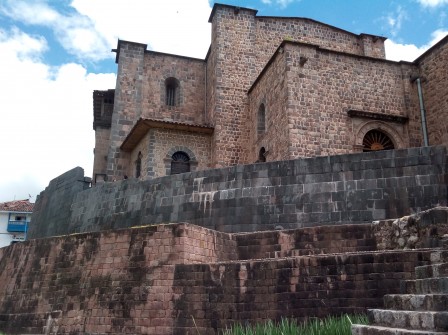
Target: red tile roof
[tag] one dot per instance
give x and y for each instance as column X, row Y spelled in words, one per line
column 17, row 206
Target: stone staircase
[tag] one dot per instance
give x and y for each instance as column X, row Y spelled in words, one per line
column 421, row 309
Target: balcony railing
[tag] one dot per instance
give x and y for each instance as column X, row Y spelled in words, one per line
column 17, row 226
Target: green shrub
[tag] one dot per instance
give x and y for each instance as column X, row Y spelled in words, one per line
column 329, row 326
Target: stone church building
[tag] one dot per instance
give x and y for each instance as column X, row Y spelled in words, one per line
column 270, row 88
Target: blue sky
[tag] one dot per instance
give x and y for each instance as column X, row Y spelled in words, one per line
column 54, row 53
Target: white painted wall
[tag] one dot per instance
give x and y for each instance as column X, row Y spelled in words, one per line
column 5, row 237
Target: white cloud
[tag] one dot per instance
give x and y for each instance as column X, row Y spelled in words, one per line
column 75, row 32
column 394, row 21
column 172, row 26
column 281, row 3
column 433, row 3
column 92, row 29
column 409, row 52
column 46, row 112
column 46, row 116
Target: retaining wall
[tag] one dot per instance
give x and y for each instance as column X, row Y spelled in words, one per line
column 156, row 279
column 344, row 189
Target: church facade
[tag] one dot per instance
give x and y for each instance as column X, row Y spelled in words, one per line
column 269, row 89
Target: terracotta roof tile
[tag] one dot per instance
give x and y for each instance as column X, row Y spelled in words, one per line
column 17, row 206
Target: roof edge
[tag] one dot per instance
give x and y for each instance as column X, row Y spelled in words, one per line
column 431, row 49
column 317, row 47
column 120, row 42
column 146, row 124
column 235, row 8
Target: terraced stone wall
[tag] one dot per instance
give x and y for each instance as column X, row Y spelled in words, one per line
column 158, row 279
column 331, row 190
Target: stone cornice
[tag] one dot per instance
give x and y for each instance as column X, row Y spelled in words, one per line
column 377, row 116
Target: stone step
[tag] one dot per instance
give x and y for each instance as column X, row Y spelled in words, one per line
column 416, row 302
column 439, row 256
column 315, row 251
column 417, row 320
column 431, row 286
column 408, row 287
column 432, row 271
column 379, row 330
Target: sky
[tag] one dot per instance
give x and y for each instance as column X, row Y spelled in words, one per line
column 54, row 53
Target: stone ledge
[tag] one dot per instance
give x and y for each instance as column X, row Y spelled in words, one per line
column 378, row 330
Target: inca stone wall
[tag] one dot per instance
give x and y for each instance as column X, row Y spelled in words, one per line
column 344, row 189
column 156, row 279
column 53, row 206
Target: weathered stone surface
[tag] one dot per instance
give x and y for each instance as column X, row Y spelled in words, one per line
column 54, row 205
column 156, row 279
column 379, row 330
column 287, row 195
column 421, row 230
column 423, row 306
column 417, row 302
column 309, row 76
column 420, row 320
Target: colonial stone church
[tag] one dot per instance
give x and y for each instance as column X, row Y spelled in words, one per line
column 270, row 88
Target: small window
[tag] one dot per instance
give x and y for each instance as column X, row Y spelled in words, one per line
column 262, row 155
column 376, row 140
column 138, row 165
column 261, row 120
column 172, row 92
column 180, row 163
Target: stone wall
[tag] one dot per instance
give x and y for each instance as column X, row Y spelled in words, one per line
column 272, row 31
column 312, row 118
column 433, row 72
column 242, row 45
column 355, row 188
column 234, row 59
column 53, row 205
column 164, row 141
column 156, row 279
column 127, row 104
column 318, row 119
column 190, row 73
column 272, row 91
column 141, row 93
column 143, row 148
column 102, row 140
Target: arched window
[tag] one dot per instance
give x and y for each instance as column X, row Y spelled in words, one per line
column 262, row 155
column 180, row 163
column 171, row 92
column 138, row 165
column 375, row 140
column 261, row 120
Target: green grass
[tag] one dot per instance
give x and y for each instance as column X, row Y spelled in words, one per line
column 329, row 326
